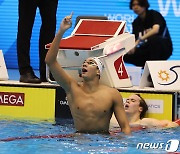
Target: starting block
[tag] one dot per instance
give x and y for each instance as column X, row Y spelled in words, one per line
column 3, row 69
column 162, row 75
column 105, row 39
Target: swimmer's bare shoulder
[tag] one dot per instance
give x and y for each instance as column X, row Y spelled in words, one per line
column 110, row 89
column 112, row 92
column 116, row 94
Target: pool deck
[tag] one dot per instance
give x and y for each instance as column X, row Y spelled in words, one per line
column 24, row 100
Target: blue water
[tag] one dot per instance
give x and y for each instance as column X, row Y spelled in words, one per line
column 79, row 143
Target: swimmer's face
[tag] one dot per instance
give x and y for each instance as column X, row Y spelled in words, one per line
column 89, row 68
column 132, row 103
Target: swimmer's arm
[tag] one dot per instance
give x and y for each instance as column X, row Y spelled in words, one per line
column 120, row 114
column 58, row 73
column 150, row 122
column 170, row 124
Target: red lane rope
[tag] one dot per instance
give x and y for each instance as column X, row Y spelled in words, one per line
column 137, row 128
column 37, row 137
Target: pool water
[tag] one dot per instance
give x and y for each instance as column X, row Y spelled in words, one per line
column 46, row 137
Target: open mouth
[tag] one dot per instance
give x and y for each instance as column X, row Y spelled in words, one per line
column 84, row 70
column 126, row 106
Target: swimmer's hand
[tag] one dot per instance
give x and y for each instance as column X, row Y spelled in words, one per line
column 66, row 22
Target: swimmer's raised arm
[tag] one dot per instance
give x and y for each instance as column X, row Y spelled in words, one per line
column 58, row 73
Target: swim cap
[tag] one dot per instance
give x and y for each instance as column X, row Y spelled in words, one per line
column 99, row 64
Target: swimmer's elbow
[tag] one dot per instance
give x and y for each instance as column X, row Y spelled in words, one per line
column 49, row 61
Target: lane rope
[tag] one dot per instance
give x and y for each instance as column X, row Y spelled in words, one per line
column 38, row 137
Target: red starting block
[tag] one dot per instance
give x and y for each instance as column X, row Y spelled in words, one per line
column 105, row 39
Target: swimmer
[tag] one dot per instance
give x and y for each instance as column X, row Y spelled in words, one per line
column 135, row 108
column 91, row 103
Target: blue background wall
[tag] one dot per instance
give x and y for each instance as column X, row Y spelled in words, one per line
column 113, row 9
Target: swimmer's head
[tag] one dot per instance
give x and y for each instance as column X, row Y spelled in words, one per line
column 142, row 103
column 136, row 104
column 94, row 61
column 99, row 64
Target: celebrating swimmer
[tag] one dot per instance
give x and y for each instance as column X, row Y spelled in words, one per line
column 91, row 103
